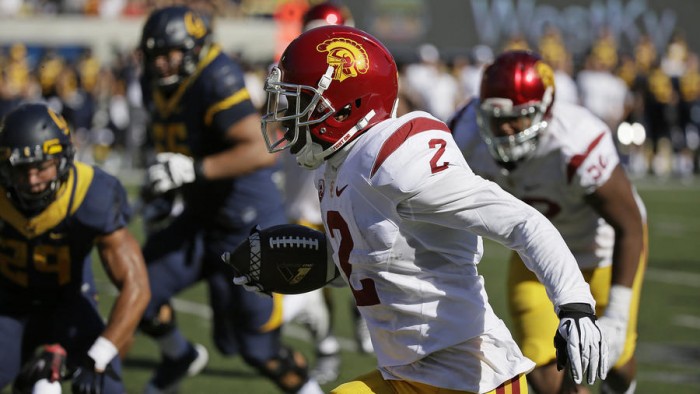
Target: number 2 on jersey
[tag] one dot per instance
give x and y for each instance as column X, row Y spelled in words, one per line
column 440, row 145
column 367, row 295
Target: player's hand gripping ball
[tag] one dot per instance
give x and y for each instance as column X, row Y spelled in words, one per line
column 285, row 259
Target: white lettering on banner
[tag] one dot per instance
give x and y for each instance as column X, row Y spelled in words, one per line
column 497, row 20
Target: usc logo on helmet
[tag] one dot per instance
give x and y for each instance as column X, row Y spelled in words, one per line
column 546, row 74
column 194, row 25
column 347, row 57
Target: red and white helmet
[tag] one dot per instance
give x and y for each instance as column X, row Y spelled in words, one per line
column 326, row 13
column 518, row 84
column 331, row 85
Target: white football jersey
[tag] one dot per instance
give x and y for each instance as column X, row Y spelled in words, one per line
column 404, row 215
column 575, row 155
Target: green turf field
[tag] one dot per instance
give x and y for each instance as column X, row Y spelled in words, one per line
column 669, row 328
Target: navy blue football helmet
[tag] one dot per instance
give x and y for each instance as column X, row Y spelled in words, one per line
column 30, row 135
column 174, row 28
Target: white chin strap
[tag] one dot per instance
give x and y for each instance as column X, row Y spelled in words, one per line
column 312, row 155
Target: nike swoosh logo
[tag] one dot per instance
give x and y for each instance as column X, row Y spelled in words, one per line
column 340, row 191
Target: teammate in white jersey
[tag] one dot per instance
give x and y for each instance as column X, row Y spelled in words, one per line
column 404, row 215
column 561, row 159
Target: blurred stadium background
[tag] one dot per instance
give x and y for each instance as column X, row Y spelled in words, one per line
column 633, row 62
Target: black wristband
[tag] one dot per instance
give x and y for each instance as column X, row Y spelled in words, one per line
column 199, row 170
column 576, row 310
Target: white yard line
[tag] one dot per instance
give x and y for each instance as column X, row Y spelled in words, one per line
column 673, row 277
column 291, row 330
column 687, row 321
column 193, row 308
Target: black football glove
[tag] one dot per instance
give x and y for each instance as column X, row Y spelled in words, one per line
column 49, row 364
column 86, row 380
column 580, row 343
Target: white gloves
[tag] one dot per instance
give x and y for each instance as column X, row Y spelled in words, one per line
column 580, row 343
column 170, row 171
column 614, row 320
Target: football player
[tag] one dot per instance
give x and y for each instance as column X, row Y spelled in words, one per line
column 302, row 207
column 561, row 159
column 205, row 131
column 53, row 210
column 404, row 214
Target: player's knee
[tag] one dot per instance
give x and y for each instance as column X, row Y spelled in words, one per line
column 288, row 370
column 160, row 324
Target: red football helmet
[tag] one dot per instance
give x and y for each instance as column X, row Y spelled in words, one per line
column 326, row 13
column 331, row 84
column 518, row 86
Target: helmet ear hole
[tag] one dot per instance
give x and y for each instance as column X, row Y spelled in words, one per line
column 343, row 113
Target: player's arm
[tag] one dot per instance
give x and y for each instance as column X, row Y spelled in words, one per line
column 615, row 202
column 248, row 153
column 124, row 263
column 121, row 256
column 456, row 198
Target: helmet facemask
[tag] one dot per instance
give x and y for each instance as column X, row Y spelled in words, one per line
column 521, row 145
column 309, row 108
column 180, row 66
column 310, row 111
column 14, row 179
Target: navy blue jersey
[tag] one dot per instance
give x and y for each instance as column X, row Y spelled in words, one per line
column 46, row 257
column 194, row 121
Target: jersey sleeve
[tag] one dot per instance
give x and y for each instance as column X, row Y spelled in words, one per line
column 105, row 208
column 591, row 167
column 230, row 100
column 456, row 198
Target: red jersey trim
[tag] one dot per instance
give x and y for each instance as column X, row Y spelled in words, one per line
column 577, row 160
column 411, row 128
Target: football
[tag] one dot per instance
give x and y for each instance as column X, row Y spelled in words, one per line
column 285, row 259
